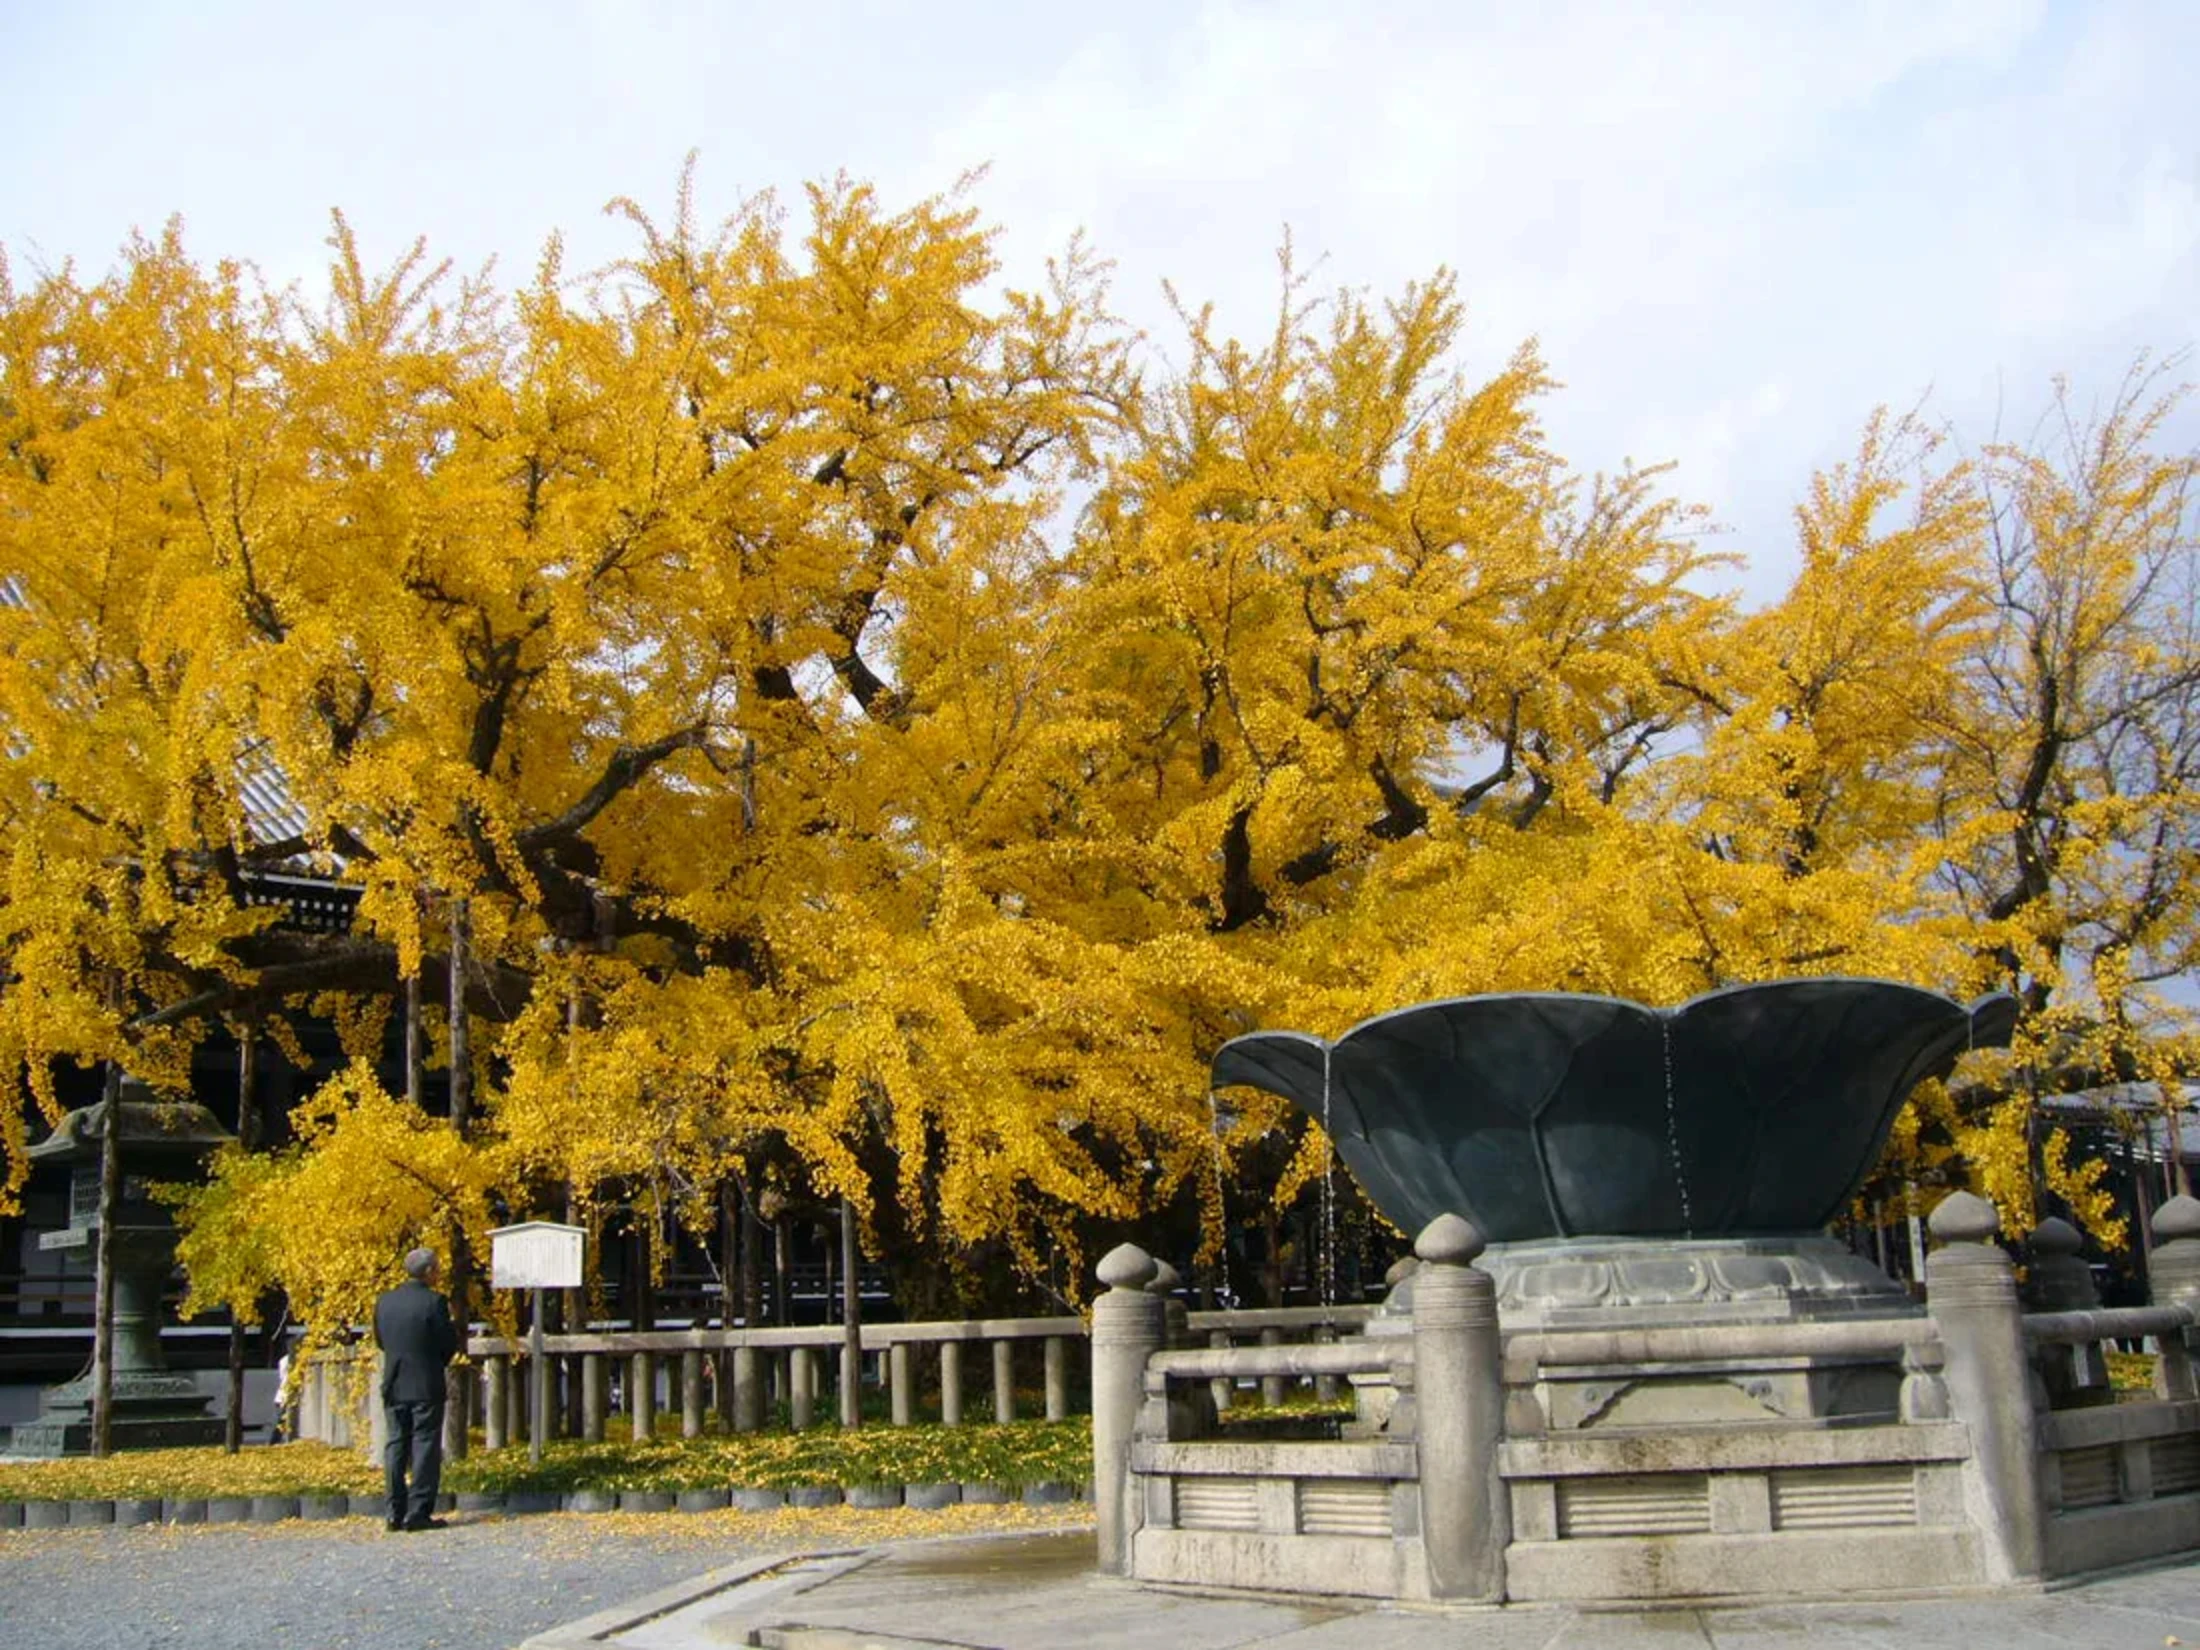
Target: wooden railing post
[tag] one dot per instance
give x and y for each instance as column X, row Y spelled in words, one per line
column 1271, row 1386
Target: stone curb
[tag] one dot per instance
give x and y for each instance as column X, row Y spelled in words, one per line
column 273, row 1509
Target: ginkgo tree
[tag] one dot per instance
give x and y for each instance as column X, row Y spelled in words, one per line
column 821, row 723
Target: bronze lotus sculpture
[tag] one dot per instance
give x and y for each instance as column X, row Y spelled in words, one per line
column 1753, row 1110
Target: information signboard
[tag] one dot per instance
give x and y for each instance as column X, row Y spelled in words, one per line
column 536, row 1254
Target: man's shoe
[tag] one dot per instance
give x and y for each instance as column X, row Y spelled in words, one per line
column 425, row 1524
column 393, row 1525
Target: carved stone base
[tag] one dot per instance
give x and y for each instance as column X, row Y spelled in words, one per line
column 1603, row 1283
column 1608, row 1283
column 151, row 1411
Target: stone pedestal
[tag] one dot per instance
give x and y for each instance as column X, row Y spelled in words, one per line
column 151, row 1408
column 1622, row 1284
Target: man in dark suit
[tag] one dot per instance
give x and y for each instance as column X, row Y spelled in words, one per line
column 412, row 1326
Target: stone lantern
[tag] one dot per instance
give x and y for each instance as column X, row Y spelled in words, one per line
column 152, row 1407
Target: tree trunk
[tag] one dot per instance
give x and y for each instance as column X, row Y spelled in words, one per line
column 752, row 1282
column 457, row 1388
column 780, row 1237
column 103, row 1310
column 645, row 1284
column 1271, row 1271
column 416, row 1059
column 248, row 1139
column 851, row 1324
column 573, row 1320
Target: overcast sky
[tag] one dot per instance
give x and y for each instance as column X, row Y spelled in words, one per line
column 1734, row 227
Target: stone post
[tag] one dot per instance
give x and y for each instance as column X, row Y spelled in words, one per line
column 1971, row 1292
column 1271, row 1386
column 378, row 1421
column 900, row 1393
column 1004, row 1381
column 691, row 1392
column 748, row 1390
column 1325, row 1386
column 498, row 1427
column 1057, row 1375
column 592, row 1396
column 641, row 1396
column 1221, row 1387
column 1178, row 1321
column 802, row 1388
column 1458, row 1374
column 2174, row 1280
column 2061, row 1281
column 1128, row 1326
column 951, row 1383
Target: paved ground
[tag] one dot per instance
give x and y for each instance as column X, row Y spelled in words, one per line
column 483, row 1584
column 1038, row 1592
column 846, row 1581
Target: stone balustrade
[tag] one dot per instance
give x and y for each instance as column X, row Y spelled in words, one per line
column 1974, row 1443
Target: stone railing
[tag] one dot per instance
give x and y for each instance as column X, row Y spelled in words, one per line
column 1975, row 1443
column 740, row 1374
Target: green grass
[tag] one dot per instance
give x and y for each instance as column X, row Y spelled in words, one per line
column 1025, row 1452
column 2131, row 1372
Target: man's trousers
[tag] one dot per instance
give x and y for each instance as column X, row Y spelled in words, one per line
column 415, row 1449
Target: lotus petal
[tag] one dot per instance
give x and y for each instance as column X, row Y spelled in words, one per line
column 1757, row 1108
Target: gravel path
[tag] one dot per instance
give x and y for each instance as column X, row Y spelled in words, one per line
column 482, row 1584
